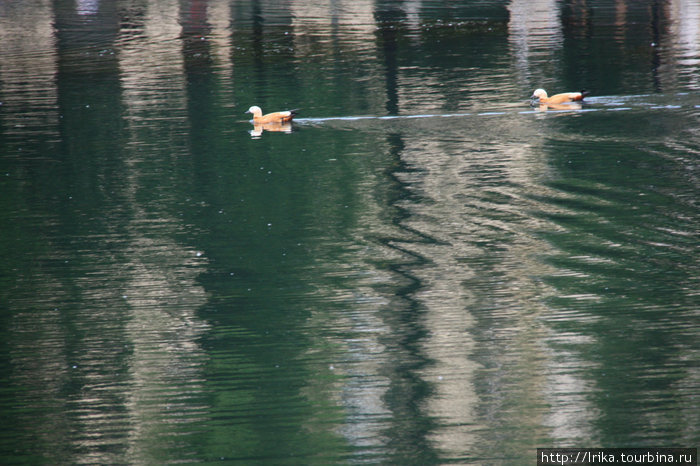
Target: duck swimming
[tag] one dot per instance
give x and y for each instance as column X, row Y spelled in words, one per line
column 564, row 97
column 276, row 117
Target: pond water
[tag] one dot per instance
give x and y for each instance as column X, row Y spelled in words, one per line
column 425, row 270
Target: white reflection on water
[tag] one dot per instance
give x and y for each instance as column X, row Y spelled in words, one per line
column 364, row 356
column 341, row 18
column 685, row 34
column 535, row 35
column 152, row 67
column 571, row 415
column 28, row 107
column 28, row 97
column 109, row 341
column 166, row 386
column 472, row 206
column 87, row 7
column 165, row 389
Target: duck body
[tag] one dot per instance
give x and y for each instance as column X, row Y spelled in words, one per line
column 565, row 97
column 276, row 117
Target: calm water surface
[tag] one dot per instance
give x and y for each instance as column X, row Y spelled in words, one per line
column 426, row 270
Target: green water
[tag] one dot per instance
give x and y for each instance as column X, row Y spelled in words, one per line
column 426, row 270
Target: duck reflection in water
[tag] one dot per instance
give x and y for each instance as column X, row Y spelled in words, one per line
column 568, row 106
column 277, row 127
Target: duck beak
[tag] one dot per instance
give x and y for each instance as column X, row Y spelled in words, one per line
column 247, row 111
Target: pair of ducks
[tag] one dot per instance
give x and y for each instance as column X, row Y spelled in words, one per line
column 540, row 95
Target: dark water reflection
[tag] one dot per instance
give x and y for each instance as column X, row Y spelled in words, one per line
column 425, row 271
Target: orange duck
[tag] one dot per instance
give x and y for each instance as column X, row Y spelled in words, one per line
column 565, row 97
column 276, row 117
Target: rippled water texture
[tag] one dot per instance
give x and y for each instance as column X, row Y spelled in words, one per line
column 425, row 270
